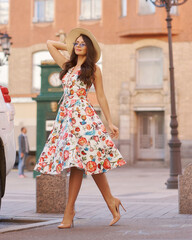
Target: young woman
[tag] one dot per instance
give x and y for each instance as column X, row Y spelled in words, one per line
column 79, row 140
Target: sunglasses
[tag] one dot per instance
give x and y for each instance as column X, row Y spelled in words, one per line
column 75, row 44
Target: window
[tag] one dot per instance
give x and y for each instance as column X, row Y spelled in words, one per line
column 38, row 57
column 123, row 8
column 4, row 11
column 4, row 72
column 174, row 10
column 90, row 9
column 43, row 11
column 149, row 67
column 146, row 7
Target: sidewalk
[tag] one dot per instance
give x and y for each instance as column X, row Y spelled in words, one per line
column 151, row 208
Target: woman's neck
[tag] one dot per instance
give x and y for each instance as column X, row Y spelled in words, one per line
column 80, row 60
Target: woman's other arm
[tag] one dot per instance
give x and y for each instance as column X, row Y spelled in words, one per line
column 54, row 47
column 98, row 83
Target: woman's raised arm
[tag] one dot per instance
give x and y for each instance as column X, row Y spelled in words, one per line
column 54, row 47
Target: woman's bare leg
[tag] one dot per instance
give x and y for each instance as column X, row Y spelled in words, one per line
column 112, row 202
column 102, row 183
column 75, row 181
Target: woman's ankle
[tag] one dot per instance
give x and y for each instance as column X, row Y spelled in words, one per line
column 70, row 208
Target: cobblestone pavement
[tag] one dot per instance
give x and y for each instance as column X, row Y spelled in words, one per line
column 152, row 210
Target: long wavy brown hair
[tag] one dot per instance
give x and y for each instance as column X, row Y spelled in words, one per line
column 87, row 68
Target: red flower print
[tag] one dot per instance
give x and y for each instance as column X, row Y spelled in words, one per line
column 96, row 138
column 99, row 154
column 62, row 108
column 82, row 141
column 91, row 166
column 49, row 153
column 83, row 117
column 107, row 164
column 81, row 92
column 77, row 129
column 91, row 149
column 103, row 128
column 88, row 127
column 53, row 139
column 62, row 114
column 80, row 165
column 83, row 153
column 44, row 164
column 109, row 143
column 41, row 159
column 77, row 149
column 99, row 132
column 73, row 120
column 70, row 113
column 89, row 111
column 103, row 138
column 72, row 92
column 73, row 101
column 121, row 162
column 58, row 168
column 41, row 164
column 50, row 166
column 66, row 154
column 65, row 135
column 53, row 149
column 111, row 154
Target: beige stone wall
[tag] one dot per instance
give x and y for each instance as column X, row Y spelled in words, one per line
column 25, row 115
column 119, row 67
column 20, row 68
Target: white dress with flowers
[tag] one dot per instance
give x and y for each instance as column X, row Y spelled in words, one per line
column 78, row 138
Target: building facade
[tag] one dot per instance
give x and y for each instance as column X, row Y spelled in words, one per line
column 135, row 66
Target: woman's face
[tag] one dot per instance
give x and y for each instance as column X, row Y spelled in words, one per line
column 80, row 47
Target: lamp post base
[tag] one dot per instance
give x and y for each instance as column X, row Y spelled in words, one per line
column 172, row 182
column 175, row 157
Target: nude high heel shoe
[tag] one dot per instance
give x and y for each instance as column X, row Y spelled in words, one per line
column 67, row 225
column 118, row 215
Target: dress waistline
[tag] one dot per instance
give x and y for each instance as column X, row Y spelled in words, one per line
column 67, row 98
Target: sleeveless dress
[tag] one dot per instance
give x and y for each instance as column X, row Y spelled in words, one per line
column 79, row 137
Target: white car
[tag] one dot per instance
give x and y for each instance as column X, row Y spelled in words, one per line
column 7, row 140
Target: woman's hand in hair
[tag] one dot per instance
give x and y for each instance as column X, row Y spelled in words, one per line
column 54, row 47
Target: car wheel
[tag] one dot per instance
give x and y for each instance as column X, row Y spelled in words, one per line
column 0, row 191
column 2, row 170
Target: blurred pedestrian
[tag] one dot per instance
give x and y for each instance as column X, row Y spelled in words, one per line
column 79, row 139
column 23, row 151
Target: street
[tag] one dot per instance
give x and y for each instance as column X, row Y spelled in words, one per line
column 152, row 210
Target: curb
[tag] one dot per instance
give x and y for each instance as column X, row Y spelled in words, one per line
column 36, row 223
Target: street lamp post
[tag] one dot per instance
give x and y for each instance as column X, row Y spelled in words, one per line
column 174, row 143
column 5, row 45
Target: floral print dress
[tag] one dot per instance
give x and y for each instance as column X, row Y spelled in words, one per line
column 78, row 138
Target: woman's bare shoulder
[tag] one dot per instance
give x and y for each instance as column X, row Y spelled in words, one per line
column 97, row 70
